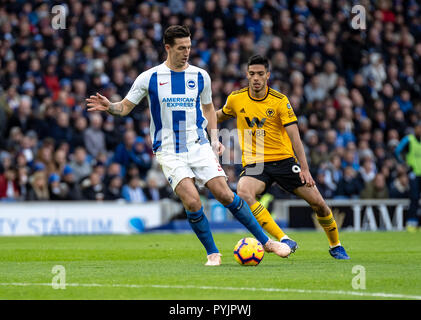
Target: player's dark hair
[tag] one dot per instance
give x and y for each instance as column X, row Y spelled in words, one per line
column 174, row 32
column 258, row 59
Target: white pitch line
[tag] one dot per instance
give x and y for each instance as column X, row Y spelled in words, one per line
column 288, row 290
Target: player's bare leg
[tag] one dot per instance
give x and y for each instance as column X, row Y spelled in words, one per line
column 190, row 198
column 188, row 194
column 220, row 190
column 248, row 188
column 240, row 209
column 325, row 218
column 314, row 199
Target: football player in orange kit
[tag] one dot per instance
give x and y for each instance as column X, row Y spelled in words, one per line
column 267, row 120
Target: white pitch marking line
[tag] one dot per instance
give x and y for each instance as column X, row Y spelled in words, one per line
column 337, row 292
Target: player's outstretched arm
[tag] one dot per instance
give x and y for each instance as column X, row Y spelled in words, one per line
column 298, row 147
column 100, row 103
column 221, row 117
column 402, row 147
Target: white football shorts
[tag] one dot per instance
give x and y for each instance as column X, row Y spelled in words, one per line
column 199, row 162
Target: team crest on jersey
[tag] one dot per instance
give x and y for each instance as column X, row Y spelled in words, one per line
column 191, row 84
column 288, row 106
column 270, row 112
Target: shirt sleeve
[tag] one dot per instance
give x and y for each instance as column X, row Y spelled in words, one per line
column 401, row 147
column 228, row 108
column 139, row 89
column 206, row 95
column 287, row 114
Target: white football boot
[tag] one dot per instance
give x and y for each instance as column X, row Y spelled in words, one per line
column 279, row 248
column 214, row 259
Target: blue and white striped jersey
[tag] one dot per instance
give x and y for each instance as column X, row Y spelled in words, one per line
column 175, row 100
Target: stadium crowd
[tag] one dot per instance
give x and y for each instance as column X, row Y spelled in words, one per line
column 356, row 93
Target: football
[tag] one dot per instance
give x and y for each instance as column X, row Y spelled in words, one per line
column 249, row 252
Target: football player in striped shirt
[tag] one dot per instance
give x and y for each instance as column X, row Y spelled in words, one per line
column 272, row 151
column 181, row 107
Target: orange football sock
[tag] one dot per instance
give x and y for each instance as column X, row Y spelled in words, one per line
column 329, row 225
column 265, row 219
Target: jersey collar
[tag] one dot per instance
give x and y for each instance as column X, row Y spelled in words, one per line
column 255, row 99
column 168, row 68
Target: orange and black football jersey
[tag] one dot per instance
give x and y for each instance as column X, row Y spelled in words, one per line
column 261, row 125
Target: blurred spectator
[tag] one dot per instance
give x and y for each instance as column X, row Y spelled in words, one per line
column 400, row 188
column 94, row 137
column 364, row 151
column 100, row 167
column 29, row 146
column 350, row 159
column 333, row 173
column 23, row 181
column 113, row 191
column 59, row 160
column 155, row 190
column 61, row 132
column 22, row 117
column 319, row 155
column 15, row 139
column 314, row 90
column 328, row 78
column 344, row 133
column 132, row 171
column 140, row 156
column 375, row 189
column 113, row 169
column 324, row 189
column 397, row 121
column 55, row 188
column 367, row 170
column 132, row 191
column 38, row 190
column 93, row 188
column 70, row 184
column 330, row 139
column 123, row 152
column 78, row 136
column 350, row 185
column 375, row 70
column 80, row 165
column 112, row 136
column 9, row 190
column 404, row 101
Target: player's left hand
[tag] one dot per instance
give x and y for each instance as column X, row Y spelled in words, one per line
column 218, row 148
column 306, row 178
column 98, row 103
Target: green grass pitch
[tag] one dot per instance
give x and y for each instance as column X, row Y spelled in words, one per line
column 171, row 266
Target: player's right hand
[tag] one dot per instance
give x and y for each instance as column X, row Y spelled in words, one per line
column 98, row 103
column 218, row 148
column 306, row 178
